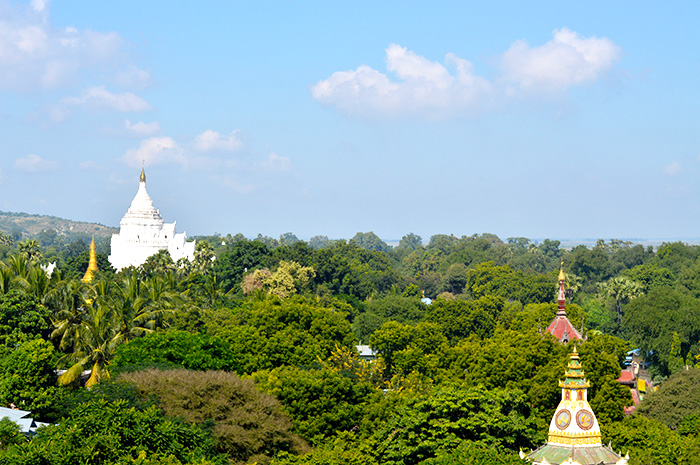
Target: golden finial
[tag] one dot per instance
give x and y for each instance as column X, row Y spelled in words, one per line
column 561, row 272
column 92, row 265
column 143, row 173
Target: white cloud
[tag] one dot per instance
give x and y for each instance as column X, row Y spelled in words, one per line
column 567, row 60
column 415, row 85
column 275, row 162
column 142, row 129
column 209, row 141
column 133, row 78
column 34, row 55
column 99, row 97
column 425, row 87
column 40, row 5
column 156, row 151
column 35, row 164
column 673, row 169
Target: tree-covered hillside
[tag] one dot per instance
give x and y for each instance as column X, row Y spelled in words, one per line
column 247, row 353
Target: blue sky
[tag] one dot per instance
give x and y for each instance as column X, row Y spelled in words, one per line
column 538, row 119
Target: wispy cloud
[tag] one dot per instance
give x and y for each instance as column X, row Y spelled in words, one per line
column 223, row 159
column 415, row 85
column 275, row 162
column 210, row 141
column 100, row 99
column 142, row 129
column 673, row 169
column 36, row 56
column 156, row 151
column 35, row 164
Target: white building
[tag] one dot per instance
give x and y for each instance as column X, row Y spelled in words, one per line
column 143, row 233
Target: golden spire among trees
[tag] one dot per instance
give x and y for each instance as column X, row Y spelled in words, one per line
column 92, row 265
column 561, row 272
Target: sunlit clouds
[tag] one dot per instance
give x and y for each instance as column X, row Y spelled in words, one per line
column 35, row 164
column 415, row 85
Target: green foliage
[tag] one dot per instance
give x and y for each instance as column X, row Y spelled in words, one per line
column 677, row 398
column 269, row 333
column 345, row 449
column 370, row 241
column 246, row 424
column 460, row 319
column 651, row 442
column 9, row 434
column 22, row 317
column 322, row 403
column 650, row 275
column 28, row 377
column 475, row 453
column 651, row 321
column 406, row 310
column 451, row 415
column 410, row 242
column 176, row 349
column 237, row 258
column 346, row 268
column 109, row 433
column 489, row 279
column 408, row 349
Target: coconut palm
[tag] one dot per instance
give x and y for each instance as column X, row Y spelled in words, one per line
column 67, row 300
column 93, row 346
column 38, row 282
column 31, row 250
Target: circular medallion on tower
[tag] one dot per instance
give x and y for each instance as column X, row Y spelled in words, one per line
column 584, row 419
column 562, row 419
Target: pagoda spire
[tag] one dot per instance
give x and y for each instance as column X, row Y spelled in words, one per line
column 561, row 298
column 92, row 264
column 561, row 327
column 574, row 433
column 142, row 178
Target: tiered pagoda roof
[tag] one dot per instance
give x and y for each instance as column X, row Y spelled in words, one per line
column 574, row 433
column 561, row 327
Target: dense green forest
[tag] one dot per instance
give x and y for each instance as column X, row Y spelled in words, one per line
column 247, row 354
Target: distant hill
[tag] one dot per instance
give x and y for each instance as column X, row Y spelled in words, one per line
column 31, row 225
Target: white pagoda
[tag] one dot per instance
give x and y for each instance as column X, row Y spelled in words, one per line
column 143, row 233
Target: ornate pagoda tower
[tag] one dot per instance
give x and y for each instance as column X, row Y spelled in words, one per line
column 143, row 233
column 574, row 433
column 92, row 264
column 561, row 327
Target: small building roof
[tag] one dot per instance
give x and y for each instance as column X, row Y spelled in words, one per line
column 365, row 351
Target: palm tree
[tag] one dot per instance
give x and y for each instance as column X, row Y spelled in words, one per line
column 31, row 250
column 622, row 289
column 94, row 345
column 6, row 278
column 38, row 282
column 67, row 300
